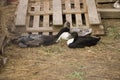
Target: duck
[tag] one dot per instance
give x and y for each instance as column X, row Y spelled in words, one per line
column 65, row 35
column 117, row 4
column 35, row 40
column 82, row 41
column 82, row 31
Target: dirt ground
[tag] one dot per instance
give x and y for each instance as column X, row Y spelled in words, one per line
column 58, row 62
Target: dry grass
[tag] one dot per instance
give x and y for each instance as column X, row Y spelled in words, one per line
column 58, row 62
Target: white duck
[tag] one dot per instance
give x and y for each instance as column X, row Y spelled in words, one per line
column 65, row 35
column 117, row 4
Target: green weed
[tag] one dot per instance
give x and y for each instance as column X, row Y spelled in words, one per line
column 76, row 75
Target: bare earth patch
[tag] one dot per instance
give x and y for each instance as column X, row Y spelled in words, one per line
column 58, row 62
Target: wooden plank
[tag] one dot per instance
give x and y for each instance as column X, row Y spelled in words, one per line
column 87, row 20
column 50, row 5
column 21, row 13
column 68, row 7
column 104, row 1
column 27, row 21
column 50, row 12
column 78, row 20
column 106, row 13
column 77, row 4
column 41, row 29
column 92, row 12
column 46, row 21
column 84, row 4
column 36, row 18
column 108, row 10
column 69, row 19
column 78, row 16
column 46, row 5
column 46, row 17
column 57, row 12
column 36, row 21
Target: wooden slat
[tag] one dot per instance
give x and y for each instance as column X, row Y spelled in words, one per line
column 110, row 13
column 46, row 5
column 46, row 17
column 27, row 21
column 92, row 12
column 36, row 18
column 69, row 19
column 78, row 16
column 21, row 13
column 46, row 21
column 36, row 21
column 41, row 29
column 108, row 10
column 50, row 12
column 87, row 20
column 84, row 4
column 77, row 4
column 50, row 5
column 104, row 1
column 57, row 12
column 68, row 7
column 78, row 20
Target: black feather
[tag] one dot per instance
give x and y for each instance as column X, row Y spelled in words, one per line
column 83, row 41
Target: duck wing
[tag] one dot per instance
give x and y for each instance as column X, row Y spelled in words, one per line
column 38, row 40
column 82, row 42
column 35, row 40
column 49, row 40
column 77, row 43
column 87, row 41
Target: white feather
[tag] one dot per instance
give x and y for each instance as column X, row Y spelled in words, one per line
column 70, row 41
column 64, row 36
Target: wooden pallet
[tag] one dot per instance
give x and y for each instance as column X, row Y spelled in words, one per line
column 48, row 16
